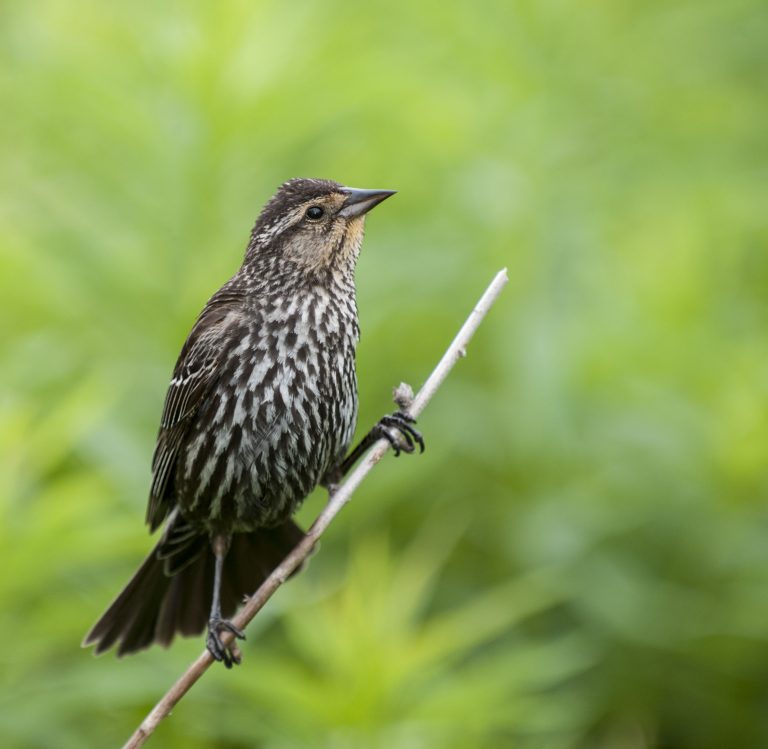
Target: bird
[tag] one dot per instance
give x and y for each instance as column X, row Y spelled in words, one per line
column 261, row 408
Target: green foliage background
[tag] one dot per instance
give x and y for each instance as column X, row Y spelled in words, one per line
column 580, row 559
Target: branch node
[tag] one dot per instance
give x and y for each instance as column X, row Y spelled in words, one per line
column 403, row 396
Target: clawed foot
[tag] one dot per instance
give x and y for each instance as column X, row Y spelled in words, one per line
column 397, row 429
column 229, row 654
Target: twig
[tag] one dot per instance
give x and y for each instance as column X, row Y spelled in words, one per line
column 338, row 499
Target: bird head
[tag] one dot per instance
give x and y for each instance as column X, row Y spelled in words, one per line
column 314, row 223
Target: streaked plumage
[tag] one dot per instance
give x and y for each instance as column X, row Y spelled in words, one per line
column 261, row 408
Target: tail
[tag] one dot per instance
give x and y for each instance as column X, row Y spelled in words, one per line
column 171, row 592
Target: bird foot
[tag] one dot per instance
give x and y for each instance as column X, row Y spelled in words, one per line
column 398, row 430
column 230, row 654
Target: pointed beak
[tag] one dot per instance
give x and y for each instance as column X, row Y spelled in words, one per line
column 359, row 202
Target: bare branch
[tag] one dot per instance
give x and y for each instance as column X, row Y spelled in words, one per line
column 404, row 399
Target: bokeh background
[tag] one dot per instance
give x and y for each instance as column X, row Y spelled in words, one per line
column 580, row 558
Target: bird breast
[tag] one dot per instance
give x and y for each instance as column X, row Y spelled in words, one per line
column 284, row 414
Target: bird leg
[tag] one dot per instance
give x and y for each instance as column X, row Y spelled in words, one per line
column 228, row 654
column 397, row 429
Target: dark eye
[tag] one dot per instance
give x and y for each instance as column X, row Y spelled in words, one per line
column 315, row 212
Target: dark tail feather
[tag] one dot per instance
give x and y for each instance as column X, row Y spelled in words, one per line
column 163, row 599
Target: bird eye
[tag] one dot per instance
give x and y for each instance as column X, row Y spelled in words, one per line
column 315, row 212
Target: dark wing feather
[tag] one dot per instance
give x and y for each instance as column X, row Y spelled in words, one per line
column 195, row 373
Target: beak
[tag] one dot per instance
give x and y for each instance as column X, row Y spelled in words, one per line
column 359, row 202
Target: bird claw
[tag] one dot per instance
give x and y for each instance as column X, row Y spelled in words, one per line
column 397, row 429
column 230, row 654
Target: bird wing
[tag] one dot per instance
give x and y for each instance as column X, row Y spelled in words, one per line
column 195, row 373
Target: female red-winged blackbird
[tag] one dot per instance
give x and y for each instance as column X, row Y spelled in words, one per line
column 261, row 408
